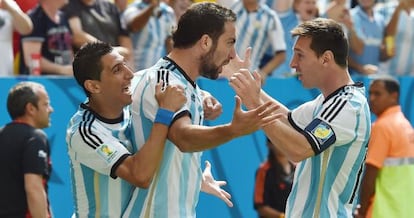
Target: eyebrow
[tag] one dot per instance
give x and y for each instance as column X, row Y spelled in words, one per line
column 117, row 64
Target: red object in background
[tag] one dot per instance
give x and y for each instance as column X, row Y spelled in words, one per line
column 35, row 64
column 25, row 5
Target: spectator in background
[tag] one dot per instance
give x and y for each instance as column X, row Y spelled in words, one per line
column 11, row 18
column 25, row 157
column 273, row 183
column 369, row 26
column 259, row 27
column 179, row 7
column 292, row 13
column 399, row 37
column 388, row 184
column 25, row 5
column 98, row 20
column 151, row 23
column 338, row 10
column 323, row 5
column 50, row 43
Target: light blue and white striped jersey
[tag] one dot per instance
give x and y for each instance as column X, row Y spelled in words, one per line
column 338, row 129
column 96, row 147
column 260, row 30
column 149, row 43
column 176, row 185
column 371, row 32
column 402, row 64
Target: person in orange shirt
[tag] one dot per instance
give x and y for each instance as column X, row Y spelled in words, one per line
column 389, row 173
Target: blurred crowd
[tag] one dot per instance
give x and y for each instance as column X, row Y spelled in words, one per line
column 40, row 37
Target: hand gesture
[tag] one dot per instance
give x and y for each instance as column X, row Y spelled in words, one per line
column 212, row 107
column 336, row 10
column 246, row 122
column 236, row 64
column 247, row 87
column 170, row 97
column 211, row 186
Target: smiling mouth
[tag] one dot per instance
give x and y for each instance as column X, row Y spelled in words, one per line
column 127, row 90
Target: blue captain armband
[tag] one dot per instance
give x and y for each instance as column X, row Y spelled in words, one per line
column 164, row 116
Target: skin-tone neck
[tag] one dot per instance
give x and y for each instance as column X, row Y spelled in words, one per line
column 51, row 9
column 334, row 79
column 368, row 10
column 108, row 111
column 190, row 66
column 25, row 119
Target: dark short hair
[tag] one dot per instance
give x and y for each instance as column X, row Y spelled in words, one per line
column 20, row 95
column 87, row 64
column 201, row 18
column 391, row 84
column 326, row 35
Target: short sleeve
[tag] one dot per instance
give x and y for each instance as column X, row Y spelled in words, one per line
column 96, row 147
column 36, row 155
column 378, row 146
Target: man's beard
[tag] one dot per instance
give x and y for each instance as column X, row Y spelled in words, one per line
column 207, row 68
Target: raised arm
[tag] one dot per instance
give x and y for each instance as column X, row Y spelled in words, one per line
column 139, row 168
column 281, row 133
column 190, row 138
column 21, row 22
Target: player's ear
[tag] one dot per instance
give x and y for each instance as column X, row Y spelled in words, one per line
column 327, row 57
column 92, row 86
column 206, row 42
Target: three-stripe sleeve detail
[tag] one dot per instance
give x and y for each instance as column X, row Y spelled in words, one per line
column 85, row 130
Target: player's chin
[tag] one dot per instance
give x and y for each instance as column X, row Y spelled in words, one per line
column 214, row 76
column 127, row 99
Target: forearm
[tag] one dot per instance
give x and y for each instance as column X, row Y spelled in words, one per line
column 356, row 44
column 21, row 22
column 81, row 37
column 195, row 138
column 148, row 158
column 53, row 68
column 355, row 65
column 278, row 59
column 37, row 204
column 36, row 195
column 264, row 97
column 292, row 143
column 367, row 189
column 391, row 28
column 141, row 20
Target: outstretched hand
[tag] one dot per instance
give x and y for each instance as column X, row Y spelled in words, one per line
column 246, row 122
column 211, row 186
column 236, row 64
